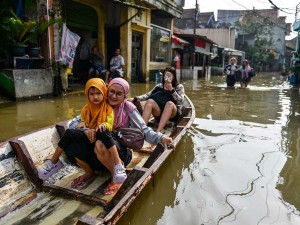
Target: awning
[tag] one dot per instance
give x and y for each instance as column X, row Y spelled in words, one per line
column 178, row 41
column 131, row 5
column 230, row 51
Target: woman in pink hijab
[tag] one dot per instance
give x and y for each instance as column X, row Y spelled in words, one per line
column 245, row 78
column 125, row 115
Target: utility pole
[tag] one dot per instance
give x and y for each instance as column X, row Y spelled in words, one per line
column 195, row 24
column 196, row 15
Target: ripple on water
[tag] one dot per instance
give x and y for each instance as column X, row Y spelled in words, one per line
column 239, row 186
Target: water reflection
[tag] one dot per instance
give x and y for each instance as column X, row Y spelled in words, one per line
column 22, row 117
column 239, row 164
column 289, row 181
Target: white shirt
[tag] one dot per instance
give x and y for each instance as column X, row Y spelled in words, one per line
column 233, row 69
column 116, row 62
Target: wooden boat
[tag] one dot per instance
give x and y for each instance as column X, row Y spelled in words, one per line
column 27, row 199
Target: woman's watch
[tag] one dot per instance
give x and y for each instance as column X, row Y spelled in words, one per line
column 172, row 91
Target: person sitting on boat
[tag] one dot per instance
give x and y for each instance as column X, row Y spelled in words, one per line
column 126, row 115
column 230, row 71
column 164, row 101
column 97, row 120
column 118, row 89
column 245, row 71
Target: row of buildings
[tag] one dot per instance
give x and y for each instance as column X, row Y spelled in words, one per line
column 229, row 38
column 142, row 29
column 148, row 31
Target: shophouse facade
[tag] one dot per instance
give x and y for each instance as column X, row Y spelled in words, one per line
column 142, row 30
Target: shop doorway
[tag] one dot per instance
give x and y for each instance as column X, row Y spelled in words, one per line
column 82, row 20
column 113, row 42
column 136, row 56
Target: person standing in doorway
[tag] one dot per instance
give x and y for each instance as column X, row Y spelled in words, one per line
column 83, row 53
column 176, row 64
column 116, row 65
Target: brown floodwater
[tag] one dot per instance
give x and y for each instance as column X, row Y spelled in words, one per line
column 238, row 164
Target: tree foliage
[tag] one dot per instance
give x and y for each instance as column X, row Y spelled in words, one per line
column 255, row 27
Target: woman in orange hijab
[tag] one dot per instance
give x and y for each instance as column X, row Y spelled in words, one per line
column 97, row 112
column 97, row 121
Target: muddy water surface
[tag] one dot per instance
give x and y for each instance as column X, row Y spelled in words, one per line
column 238, row 164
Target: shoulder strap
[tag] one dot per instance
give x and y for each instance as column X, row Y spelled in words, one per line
column 128, row 112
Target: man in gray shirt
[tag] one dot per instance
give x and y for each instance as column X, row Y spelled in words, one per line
column 97, row 68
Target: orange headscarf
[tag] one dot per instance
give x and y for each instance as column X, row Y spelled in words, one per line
column 92, row 114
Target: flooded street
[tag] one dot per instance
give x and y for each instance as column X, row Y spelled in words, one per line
column 239, row 163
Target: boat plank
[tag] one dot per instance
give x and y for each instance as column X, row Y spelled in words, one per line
column 122, row 206
column 129, row 183
column 65, row 192
column 26, row 162
column 155, row 154
column 16, row 191
column 90, row 220
column 18, row 204
column 61, row 128
column 130, row 187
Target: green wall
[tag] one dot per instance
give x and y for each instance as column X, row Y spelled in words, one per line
column 7, row 86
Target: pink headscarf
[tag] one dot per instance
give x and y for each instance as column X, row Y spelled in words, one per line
column 121, row 118
column 246, row 69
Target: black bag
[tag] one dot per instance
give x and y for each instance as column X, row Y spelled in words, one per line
column 130, row 137
column 252, row 73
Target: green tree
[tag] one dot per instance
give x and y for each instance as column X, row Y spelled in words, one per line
column 258, row 33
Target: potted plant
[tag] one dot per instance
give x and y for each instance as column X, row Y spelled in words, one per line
column 16, row 31
column 24, row 32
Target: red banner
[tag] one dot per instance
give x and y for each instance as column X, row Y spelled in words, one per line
column 200, row 43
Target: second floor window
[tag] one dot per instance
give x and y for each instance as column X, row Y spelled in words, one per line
column 160, row 46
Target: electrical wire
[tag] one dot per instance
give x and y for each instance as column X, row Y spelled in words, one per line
column 261, row 16
column 276, row 7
